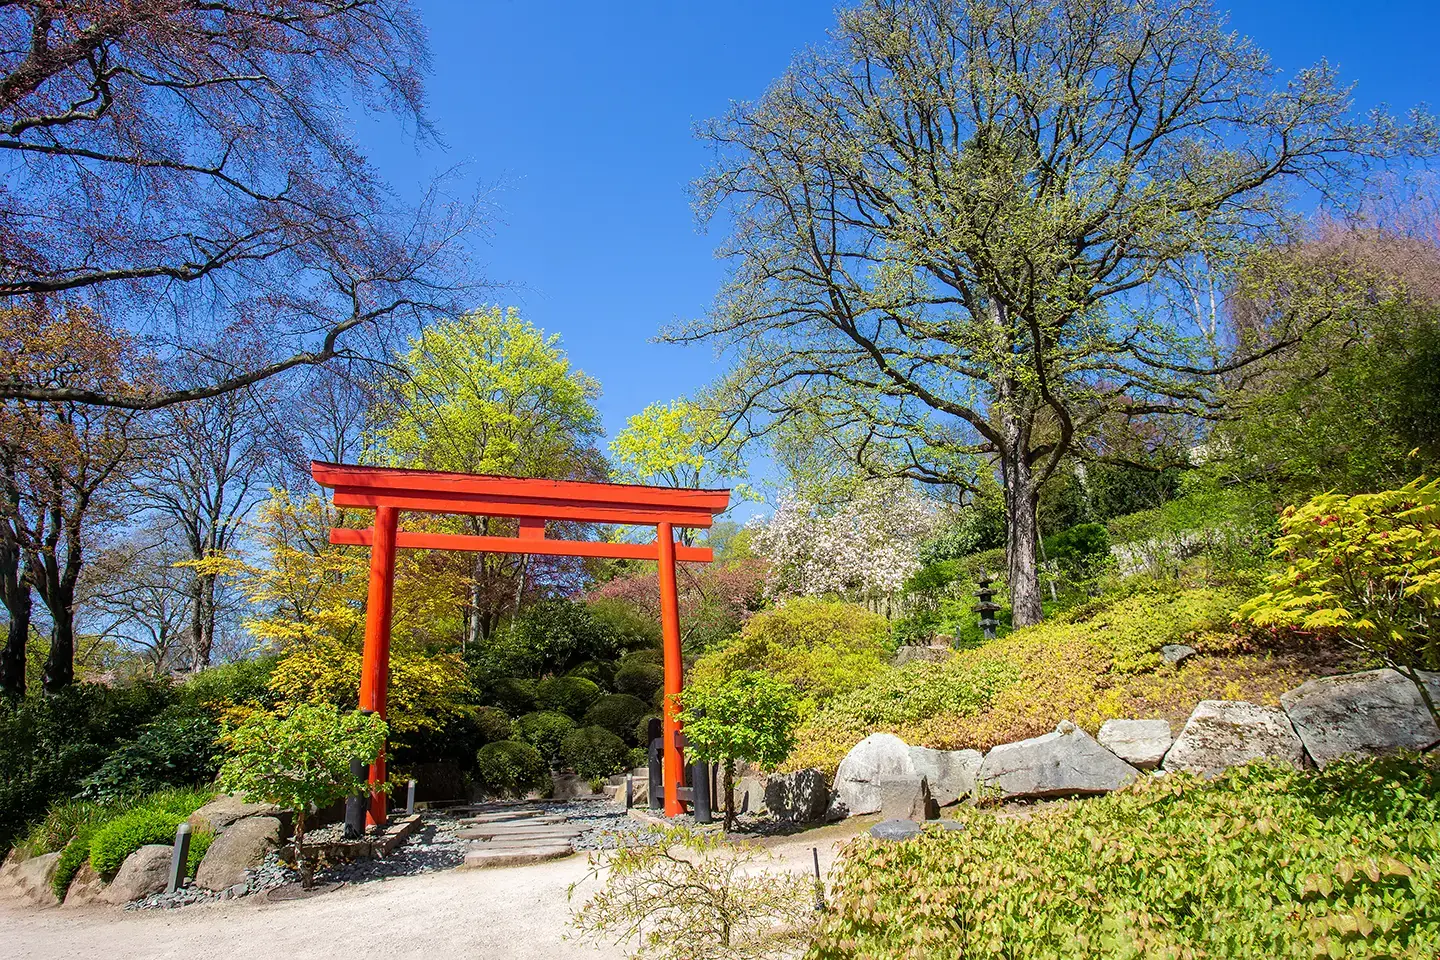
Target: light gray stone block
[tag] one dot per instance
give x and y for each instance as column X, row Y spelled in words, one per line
column 857, row 781
column 1067, row 762
column 951, row 773
column 238, row 849
column 1140, row 743
column 800, row 797
column 1228, row 733
column 907, row 798
column 144, row 872
column 1376, row 712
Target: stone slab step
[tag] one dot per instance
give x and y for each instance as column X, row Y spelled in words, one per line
column 513, row 818
column 515, row 843
column 547, row 833
column 481, row 858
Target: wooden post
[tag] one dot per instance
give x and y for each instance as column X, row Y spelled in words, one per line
column 670, row 631
column 375, row 668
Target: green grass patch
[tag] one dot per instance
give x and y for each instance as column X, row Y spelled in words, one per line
column 1262, row 862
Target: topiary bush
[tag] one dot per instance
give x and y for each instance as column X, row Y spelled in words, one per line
column 492, row 724
column 618, row 713
column 640, row 679
column 1341, row 863
column 642, row 729
column 153, row 821
column 546, row 731
column 510, row 769
column 599, row 672
column 571, row 696
column 595, row 753
column 514, row 695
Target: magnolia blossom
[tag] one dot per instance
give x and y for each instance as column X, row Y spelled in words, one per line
column 866, row 548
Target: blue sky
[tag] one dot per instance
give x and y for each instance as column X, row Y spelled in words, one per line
column 582, row 113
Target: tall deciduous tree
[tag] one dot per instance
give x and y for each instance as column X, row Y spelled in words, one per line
column 953, row 224
column 487, row 392
column 189, row 164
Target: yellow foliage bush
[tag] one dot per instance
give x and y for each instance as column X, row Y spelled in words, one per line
column 1098, row 663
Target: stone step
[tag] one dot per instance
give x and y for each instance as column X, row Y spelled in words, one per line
column 515, row 842
column 513, row 818
column 543, row 832
column 481, row 858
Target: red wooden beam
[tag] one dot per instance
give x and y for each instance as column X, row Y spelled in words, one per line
column 499, row 506
column 344, row 536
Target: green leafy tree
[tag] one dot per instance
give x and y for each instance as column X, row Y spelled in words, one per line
column 487, row 392
column 941, row 218
column 1366, row 567
column 748, row 715
column 300, row 760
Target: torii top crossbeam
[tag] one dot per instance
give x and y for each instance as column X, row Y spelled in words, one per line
column 389, row 490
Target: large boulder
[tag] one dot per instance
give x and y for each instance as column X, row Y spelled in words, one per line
column 1140, row 743
column 227, row 809
column 242, row 847
column 30, row 879
column 950, row 773
column 1065, row 763
column 1228, row 733
column 857, row 781
column 1378, row 711
column 86, row 888
column 801, row 797
column 750, row 794
column 144, row 872
column 907, row 798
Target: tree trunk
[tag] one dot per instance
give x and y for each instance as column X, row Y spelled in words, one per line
column 60, row 664
column 729, row 777
column 12, row 658
column 1022, row 534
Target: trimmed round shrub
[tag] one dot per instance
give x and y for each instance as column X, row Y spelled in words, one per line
column 618, row 713
column 571, row 696
column 492, row 724
column 599, row 672
column 643, row 680
column 627, row 624
column 112, row 843
column 510, row 769
column 514, row 695
column 644, row 655
column 596, row 753
column 545, row 731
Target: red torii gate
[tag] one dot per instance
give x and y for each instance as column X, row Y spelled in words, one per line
column 389, row 490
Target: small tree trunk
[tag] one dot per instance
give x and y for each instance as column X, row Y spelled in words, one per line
column 12, row 658
column 1022, row 537
column 1419, row 681
column 59, row 670
column 729, row 777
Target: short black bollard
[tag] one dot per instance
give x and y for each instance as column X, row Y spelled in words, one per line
column 355, row 806
column 629, row 790
column 179, row 857
column 657, row 773
column 819, row 883
column 410, row 799
column 700, row 787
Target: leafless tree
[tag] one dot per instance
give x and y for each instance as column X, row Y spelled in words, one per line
column 139, row 592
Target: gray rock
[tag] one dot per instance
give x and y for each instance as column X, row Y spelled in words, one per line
column 1177, row 653
column 907, row 798
column 801, row 797
column 911, row 653
column 238, row 849
column 227, row 809
column 144, row 872
column 895, row 830
column 750, row 795
column 1140, row 743
column 1228, row 733
column 86, row 888
column 30, row 879
column 857, row 781
column 951, row 773
column 1378, row 711
column 1067, row 762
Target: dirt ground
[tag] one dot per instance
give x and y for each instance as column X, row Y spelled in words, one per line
column 518, row 913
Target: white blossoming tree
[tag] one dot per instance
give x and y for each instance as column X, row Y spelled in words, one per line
column 862, row 550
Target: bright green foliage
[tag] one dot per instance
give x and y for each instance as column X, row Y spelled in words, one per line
column 487, row 392
column 72, row 858
column 151, row 821
column 1093, row 664
column 178, row 748
column 677, row 444
column 595, row 753
column 300, row 759
column 821, row 648
column 511, row 769
column 553, row 636
column 1261, row 863
column 200, row 842
column 571, row 696
column 1366, row 567
column 492, row 724
column 62, row 822
column 618, row 713
column 688, row 895
column 630, row 627
column 1220, row 533
column 546, row 731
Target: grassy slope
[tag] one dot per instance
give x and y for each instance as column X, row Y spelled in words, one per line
column 1094, row 664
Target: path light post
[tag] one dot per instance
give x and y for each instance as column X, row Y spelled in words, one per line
column 179, row 858
column 987, row 607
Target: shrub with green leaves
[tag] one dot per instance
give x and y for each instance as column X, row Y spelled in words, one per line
column 546, row 731
column 511, row 769
column 618, row 713
column 821, row 648
column 62, row 821
column 571, row 696
column 178, row 748
column 153, row 820
column 492, row 724
column 72, row 858
column 640, row 679
column 1263, row 862
column 596, row 753
column 514, row 695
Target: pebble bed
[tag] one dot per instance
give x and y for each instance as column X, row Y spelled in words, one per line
column 434, row 847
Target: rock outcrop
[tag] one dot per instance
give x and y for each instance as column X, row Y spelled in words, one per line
column 1376, row 712
column 1140, row 743
column 857, row 781
column 1068, row 762
column 1228, row 733
column 800, row 797
column 227, row 809
column 907, row 798
column 144, row 872
column 241, row 847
